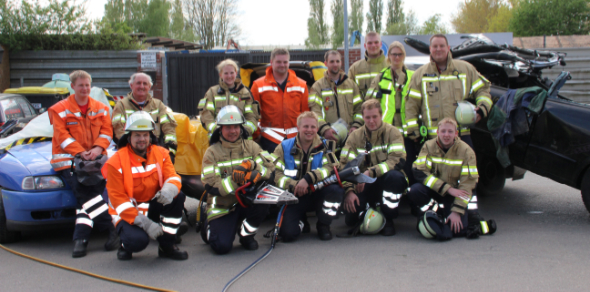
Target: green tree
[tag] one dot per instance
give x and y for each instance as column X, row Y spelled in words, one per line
column 317, row 30
column 474, row 15
column 433, row 25
column 547, row 17
column 374, row 16
column 409, row 25
column 356, row 17
column 501, row 21
column 179, row 27
column 395, row 13
column 338, row 25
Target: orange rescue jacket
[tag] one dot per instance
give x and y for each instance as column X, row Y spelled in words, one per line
column 74, row 132
column 132, row 181
column 279, row 109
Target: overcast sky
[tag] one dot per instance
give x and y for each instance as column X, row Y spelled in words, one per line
column 284, row 22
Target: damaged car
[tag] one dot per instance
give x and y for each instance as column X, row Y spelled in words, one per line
column 552, row 134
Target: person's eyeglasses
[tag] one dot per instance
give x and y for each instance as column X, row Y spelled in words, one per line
column 397, row 55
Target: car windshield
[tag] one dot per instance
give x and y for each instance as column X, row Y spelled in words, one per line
column 12, row 110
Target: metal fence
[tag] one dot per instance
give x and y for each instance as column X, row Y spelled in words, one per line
column 109, row 69
column 191, row 75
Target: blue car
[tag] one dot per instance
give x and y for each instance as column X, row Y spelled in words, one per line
column 34, row 196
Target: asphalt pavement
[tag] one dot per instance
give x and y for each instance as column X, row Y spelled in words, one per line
column 541, row 245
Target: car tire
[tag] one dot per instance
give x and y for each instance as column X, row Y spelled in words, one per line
column 586, row 189
column 492, row 177
column 5, row 235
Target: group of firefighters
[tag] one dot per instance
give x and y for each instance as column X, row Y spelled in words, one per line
column 280, row 133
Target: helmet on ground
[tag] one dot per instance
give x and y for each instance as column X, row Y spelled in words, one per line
column 465, row 113
column 431, row 226
column 139, row 121
column 373, row 221
column 230, row 115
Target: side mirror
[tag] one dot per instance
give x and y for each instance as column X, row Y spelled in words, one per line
column 42, row 110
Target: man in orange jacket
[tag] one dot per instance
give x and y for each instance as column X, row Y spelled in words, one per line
column 143, row 187
column 282, row 97
column 82, row 128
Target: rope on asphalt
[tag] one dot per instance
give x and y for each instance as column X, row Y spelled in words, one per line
column 84, row 272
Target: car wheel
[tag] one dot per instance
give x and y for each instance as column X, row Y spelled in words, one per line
column 492, row 177
column 586, row 189
column 5, row 235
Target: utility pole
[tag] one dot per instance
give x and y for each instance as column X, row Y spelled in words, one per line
column 345, row 36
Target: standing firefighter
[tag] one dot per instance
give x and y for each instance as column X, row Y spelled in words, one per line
column 144, row 191
column 436, row 90
column 230, row 162
column 336, row 97
column 384, row 146
column 139, row 99
column 446, row 173
column 82, row 131
column 282, row 97
column 364, row 71
column 229, row 91
column 302, row 162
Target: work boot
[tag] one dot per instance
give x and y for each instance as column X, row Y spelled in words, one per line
column 113, row 241
column 123, row 254
column 79, row 248
column 388, row 229
column 306, row 228
column 182, row 229
column 172, row 252
column 324, row 232
column 248, row 242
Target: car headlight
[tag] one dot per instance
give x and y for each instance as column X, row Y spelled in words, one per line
column 42, row 183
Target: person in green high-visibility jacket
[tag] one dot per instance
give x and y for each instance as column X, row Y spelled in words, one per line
column 391, row 86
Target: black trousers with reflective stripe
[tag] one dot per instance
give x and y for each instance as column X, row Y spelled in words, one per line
column 83, row 194
column 290, row 229
column 223, row 230
column 411, row 155
column 393, row 181
column 420, row 195
column 135, row 239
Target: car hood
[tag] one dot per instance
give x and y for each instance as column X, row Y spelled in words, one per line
column 35, row 157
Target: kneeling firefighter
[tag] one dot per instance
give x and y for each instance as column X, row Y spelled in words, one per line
column 386, row 155
column 446, row 175
column 303, row 161
column 143, row 191
column 231, row 162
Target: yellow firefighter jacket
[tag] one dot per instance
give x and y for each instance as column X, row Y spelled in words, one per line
column 364, row 71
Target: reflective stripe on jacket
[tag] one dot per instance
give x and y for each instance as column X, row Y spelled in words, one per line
column 132, row 181
column 220, row 159
column 392, row 90
column 320, row 154
column 219, row 96
column 164, row 120
column 364, row 71
column 440, row 171
column 332, row 102
column 386, row 150
column 74, row 132
column 435, row 95
column 279, row 109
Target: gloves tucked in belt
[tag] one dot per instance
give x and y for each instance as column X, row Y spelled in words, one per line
column 166, row 194
column 153, row 229
column 240, row 172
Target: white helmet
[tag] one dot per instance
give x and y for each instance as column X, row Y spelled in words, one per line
column 373, row 221
column 465, row 114
column 230, row 115
column 139, row 121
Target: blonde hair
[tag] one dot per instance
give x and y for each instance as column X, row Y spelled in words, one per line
column 448, row 121
column 279, row 51
column 371, row 104
column 79, row 74
column 227, row 62
column 372, row 34
column 399, row 45
column 307, row 115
